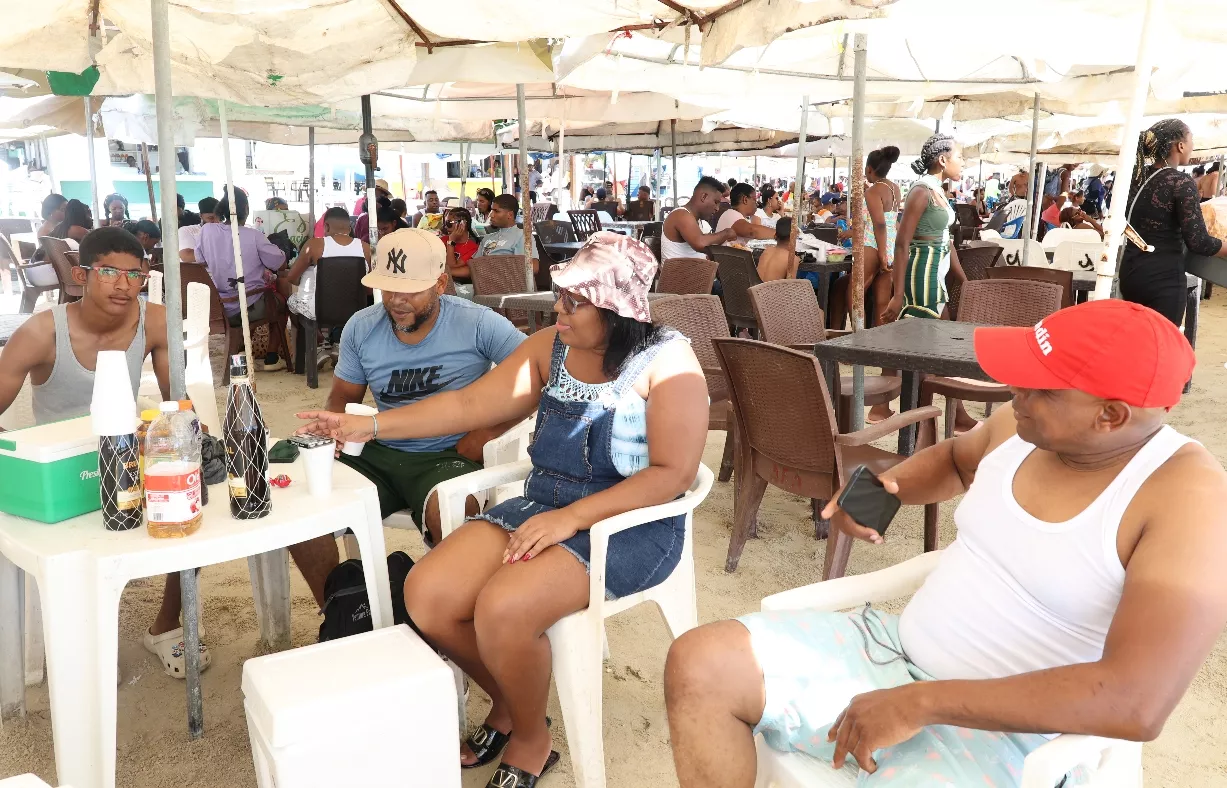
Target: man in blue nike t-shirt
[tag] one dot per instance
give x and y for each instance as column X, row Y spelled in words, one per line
column 418, row 342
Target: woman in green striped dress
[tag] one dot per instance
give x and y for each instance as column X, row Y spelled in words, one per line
column 923, row 238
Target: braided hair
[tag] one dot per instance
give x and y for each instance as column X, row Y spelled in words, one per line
column 933, row 148
column 1155, row 145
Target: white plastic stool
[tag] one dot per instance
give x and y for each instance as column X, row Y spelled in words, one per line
column 375, row 709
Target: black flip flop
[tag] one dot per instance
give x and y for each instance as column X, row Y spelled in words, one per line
column 489, row 746
column 511, row 777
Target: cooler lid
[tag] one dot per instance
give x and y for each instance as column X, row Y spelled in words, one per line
column 48, row 443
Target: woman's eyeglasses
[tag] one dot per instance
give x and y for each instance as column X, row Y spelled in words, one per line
column 109, row 274
column 570, row 302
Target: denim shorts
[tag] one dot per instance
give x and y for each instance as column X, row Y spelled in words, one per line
column 638, row 558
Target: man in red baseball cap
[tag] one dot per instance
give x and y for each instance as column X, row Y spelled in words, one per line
column 1083, row 591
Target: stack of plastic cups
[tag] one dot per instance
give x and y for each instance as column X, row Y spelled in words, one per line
column 113, row 419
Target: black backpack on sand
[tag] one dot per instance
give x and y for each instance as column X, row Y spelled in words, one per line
column 347, row 610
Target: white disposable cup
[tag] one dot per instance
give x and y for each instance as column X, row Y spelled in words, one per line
column 317, row 465
column 354, row 448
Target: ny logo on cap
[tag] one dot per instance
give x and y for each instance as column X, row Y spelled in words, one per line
column 396, row 260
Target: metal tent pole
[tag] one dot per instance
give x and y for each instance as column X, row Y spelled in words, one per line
column 153, row 208
column 234, row 237
column 311, row 179
column 673, row 153
column 562, row 145
column 1031, row 184
column 1038, row 191
column 797, row 202
column 530, row 282
column 856, row 208
column 93, row 167
column 1115, row 225
column 173, row 301
column 368, row 153
column 464, row 173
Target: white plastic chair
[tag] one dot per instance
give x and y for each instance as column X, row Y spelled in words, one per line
column 1012, row 252
column 1078, row 255
column 198, row 373
column 1112, row 763
column 577, row 640
column 1059, row 235
column 989, row 235
column 155, row 287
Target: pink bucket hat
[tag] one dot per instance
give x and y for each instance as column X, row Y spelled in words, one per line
column 614, row 272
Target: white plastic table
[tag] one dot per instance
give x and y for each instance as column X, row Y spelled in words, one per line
column 81, row 570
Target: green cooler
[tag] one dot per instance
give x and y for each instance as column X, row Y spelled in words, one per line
column 50, row 473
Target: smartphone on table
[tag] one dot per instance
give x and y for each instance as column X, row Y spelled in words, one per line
column 867, row 502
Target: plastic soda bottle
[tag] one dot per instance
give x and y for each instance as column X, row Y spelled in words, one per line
column 172, row 474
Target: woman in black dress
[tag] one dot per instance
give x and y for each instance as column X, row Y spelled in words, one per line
column 1164, row 209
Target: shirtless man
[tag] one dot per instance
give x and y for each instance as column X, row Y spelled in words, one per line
column 779, row 262
column 683, row 237
column 1207, row 185
column 58, row 349
column 1028, row 625
column 1018, row 185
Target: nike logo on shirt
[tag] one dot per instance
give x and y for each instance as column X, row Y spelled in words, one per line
column 407, row 385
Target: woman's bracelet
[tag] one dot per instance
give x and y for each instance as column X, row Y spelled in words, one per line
column 375, row 422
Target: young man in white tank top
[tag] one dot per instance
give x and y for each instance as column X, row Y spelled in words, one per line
column 682, row 236
column 58, row 350
column 1084, row 590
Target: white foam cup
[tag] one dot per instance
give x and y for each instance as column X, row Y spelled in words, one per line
column 354, row 448
column 317, row 466
column 112, row 405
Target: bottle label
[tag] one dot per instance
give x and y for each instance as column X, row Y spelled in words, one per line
column 238, row 487
column 172, row 492
column 128, row 499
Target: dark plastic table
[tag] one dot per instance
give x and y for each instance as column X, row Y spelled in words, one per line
column 915, row 347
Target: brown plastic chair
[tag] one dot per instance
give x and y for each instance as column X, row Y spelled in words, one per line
column 999, row 302
column 825, row 233
column 687, row 276
column 218, row 322
column 1065, row 279
column 552, row 231
column 737, row 274
column 636, row 212
column 786, row 437
column 975, row 261
column 788, row 314
column 500, row 274
column 701, row 319
column 15, row 255
column 55, row 251
column 543, row 210
column 585, row 223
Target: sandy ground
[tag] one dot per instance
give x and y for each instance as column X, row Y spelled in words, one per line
column 153, row 749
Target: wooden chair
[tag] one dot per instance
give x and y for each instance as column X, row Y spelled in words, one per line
column 789, row 315
column 1054, row 275
column 701, row 319
column 338, row 295
column 500, row 274
column 975, row 261
column 585, row 223
column 999, row 302
column 787, row 437
column 56, row 252
column 687, row 276
column 737, row 274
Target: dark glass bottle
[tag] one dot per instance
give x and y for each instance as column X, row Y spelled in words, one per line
column 119, row 476
column 246, row 438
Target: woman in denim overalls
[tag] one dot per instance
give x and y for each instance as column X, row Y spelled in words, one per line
column 606, row 386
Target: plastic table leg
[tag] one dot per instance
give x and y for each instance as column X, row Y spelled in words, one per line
column 369, row 534
column 12, row 642
column 270, row 588
column 33, row 623
column 80, row 601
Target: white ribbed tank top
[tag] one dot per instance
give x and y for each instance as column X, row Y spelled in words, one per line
column 1015, row 594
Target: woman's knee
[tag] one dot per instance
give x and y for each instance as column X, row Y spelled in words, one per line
column 428, row 601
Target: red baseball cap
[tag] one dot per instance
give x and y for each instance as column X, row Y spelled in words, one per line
column 1111, row 349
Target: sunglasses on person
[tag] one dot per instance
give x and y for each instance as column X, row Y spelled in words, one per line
column 570, row 302
column 109, row 274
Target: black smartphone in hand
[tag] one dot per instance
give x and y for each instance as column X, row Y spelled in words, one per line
column 867, row 502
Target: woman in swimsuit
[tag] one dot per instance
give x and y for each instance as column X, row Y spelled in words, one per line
column 881, row 212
